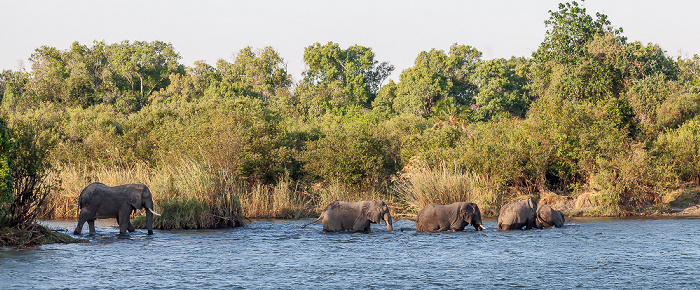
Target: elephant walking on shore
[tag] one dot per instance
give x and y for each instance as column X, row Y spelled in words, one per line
column 451, row 217
column 547, row 217
column 354, row 216
column 99, row 201
column 518, row 214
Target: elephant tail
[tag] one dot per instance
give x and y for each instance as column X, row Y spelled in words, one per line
column 318, row 219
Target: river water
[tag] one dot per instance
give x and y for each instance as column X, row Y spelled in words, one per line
column 279, row 254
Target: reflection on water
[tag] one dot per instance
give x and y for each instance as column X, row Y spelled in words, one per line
column 589, row 253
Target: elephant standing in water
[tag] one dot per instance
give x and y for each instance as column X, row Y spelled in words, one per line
column 354, row 216
column 518, row 214
column 99, row 201
column 451, row 217
column 547, row 217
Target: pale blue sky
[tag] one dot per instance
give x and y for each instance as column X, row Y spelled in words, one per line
column 395, row 30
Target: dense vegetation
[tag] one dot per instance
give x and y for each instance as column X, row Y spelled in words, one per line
column 607, row 125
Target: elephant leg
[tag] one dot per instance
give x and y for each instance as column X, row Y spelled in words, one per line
column 91, row 224
column 79, row 227
column 530, row 224
column 83, row 216
column 360, row 224
column 149, row 222
column 123, row 221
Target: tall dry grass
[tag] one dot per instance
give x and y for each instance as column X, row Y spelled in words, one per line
column 444, row 185
column 188, row 194
column 70, row 181
column 324, row 193
column 282, row 200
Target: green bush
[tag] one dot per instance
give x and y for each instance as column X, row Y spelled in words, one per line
column 352, row 154
column 679, row 151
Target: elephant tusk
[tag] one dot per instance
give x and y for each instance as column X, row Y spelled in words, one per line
column 482, row 227
column 153, row 212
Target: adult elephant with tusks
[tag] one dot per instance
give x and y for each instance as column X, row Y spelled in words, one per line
column 518, row 214
column 99, row 201
column 354, row 216
column 451, row 217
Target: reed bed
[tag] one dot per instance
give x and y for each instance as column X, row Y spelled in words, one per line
column 444, row 185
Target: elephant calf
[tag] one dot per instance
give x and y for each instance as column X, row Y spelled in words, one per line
column 355, row 216
column 518, row 214
column 99, row 201
column 547, row 217
column 451, row 217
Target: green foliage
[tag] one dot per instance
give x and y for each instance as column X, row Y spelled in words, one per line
column 503, row 89
column 679, row 150
column 503, row 151
column 437, row 76
column 35, row 135
column 95, row 133
column 125, row 74
column 689, row 72
column 7, row 145
column 259, row 74
column 579, row 55
column 12, row 87
column 589, row 112
column 188, row 87
column 352, row 154
column 574, row 136
column 569, row 30
column 338, row 77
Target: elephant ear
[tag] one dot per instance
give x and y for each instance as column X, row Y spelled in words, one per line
column 133, row 194
column 465, row 212
column 532, row 203
column 367, row 211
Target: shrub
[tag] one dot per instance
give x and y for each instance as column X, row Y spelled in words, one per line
column 351, row 154
column 679, row 151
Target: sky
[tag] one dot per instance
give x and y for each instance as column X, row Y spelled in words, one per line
column 396, row 30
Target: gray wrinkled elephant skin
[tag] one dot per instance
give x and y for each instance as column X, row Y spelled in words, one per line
column 548, row 217
column 452, row 217
column 355, row 216
column 99, row 201
column 518, row 214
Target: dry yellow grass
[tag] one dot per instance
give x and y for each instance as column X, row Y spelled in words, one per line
column 189, row 194
column 445, row 185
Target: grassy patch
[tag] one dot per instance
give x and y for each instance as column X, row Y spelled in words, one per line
column 683, row 197
column 31, row 236
column 444, row 185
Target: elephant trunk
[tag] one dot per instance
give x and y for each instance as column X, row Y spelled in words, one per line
column 387, row 219
column 149, row 220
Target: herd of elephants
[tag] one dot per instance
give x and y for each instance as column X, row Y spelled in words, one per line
column 99, row 201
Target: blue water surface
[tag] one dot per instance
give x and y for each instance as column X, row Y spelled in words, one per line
column 280, row 254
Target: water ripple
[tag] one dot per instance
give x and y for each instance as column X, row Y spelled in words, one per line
column 585, row 253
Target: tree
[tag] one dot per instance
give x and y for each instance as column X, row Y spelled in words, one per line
column 260, row 74
column 689, row 71
column 71, row 77
column 7, row 145
column 565, row 66
column 49, row 73
column 140, row 69
column 189, row 86
column 13, row 85
column 504, row 89
column 338, row 77
column 436, row 76
column 34, row 135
